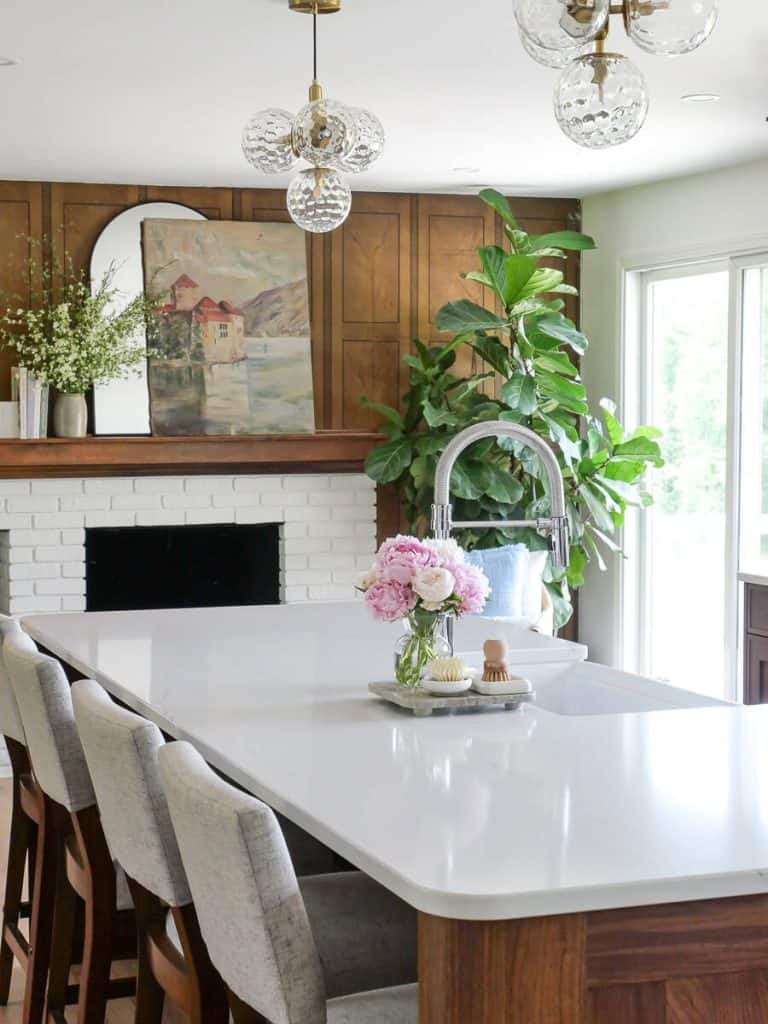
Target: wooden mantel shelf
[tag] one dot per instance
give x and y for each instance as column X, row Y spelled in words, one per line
column 325, row 451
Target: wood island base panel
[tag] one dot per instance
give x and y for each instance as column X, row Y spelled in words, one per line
column 683, row 963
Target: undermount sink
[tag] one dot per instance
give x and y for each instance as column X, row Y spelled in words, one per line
column 586, row 688
column 565, row 683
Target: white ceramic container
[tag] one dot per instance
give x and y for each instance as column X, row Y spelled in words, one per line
column 446, row 688
column 516, row 684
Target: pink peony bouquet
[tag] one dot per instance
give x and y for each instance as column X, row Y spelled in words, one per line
column 411, row 576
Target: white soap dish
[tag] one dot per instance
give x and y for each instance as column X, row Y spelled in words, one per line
column 446, row 687
column 515, row 685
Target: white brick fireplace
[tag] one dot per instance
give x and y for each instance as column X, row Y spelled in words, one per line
column 327, row 528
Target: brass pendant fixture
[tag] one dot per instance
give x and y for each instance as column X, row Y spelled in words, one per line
column 328, row 135
column 601, row 99
column 308, row 6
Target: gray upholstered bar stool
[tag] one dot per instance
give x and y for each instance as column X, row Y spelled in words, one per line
column 121, row 751
column 26, row 814
column 71, row 837
column 252, row 914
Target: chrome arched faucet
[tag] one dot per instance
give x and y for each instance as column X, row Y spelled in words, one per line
column 557, row 523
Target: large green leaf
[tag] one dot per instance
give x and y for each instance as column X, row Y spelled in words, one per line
column 639, row 448
column 500, row 204
column 422, row 470
column 463, row 388
column 519, row 393
column 385, row 411
column 573, row 240
column 550, row 330
column 576, row 565
column 469, row 479
column 478, row 276
column 544, row 280
column 625, row 471
column 493, row 258
column 555, row 362
column 465, row 317
column 518, row 270
column 568, row 394
column 439, row 417
column 612, row 425
column 502, row 486
column 494, row 353
column 430, row 444
column 597, row 509
column 387, row 462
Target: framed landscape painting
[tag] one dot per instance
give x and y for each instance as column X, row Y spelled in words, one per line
column 232, row 346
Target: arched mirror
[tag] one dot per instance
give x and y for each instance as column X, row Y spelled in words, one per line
column 122, row 407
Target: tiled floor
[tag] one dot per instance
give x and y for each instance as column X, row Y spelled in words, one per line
column 121, row 1011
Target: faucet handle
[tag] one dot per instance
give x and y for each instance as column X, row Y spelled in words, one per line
column 559, row 542
column 442, row 521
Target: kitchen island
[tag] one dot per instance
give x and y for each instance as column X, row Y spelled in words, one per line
column 599, row 856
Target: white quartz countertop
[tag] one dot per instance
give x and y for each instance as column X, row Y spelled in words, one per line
column 478, row 816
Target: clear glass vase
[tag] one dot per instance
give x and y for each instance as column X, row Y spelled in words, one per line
column 425, row 638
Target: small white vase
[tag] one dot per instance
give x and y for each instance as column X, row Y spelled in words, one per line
column 70, row 415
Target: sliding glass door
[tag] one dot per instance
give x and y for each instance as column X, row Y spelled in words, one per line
column 696, row 366
column 677, row 617
column 753, row 317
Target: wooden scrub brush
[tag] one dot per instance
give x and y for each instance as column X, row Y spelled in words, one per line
column 495, row 668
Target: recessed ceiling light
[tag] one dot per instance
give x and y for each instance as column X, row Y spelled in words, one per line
column 8, row 62
column 466, row 170
column 700, row 97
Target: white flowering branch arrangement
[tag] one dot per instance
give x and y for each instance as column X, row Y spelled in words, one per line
column 71, row 335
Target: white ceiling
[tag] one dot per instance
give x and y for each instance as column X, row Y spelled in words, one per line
column 157, row 91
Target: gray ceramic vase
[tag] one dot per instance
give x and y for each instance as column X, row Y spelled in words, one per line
column 70, row 415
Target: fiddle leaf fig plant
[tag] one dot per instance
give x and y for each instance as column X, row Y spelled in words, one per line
column 530, row 349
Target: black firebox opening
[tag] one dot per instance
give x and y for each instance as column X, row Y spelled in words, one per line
column 128, row 568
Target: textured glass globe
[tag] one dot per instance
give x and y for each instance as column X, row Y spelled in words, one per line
column 553, row 58
column 678, row 26
column 555, row 24
column 601, row 100
column 267, row 141
column 319, row 199
column 324, row 133
column 370, row 142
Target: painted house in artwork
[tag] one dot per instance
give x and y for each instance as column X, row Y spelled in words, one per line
column 198, row 328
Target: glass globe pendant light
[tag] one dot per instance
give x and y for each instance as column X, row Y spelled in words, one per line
column 557, row 25
column 319, row 199
column 670, row 28
column 601, row 99
column 553, row 58
column 328, row 135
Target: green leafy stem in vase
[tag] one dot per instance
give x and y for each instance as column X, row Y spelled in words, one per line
column 70, row 334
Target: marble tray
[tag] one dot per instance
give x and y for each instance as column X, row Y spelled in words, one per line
column 423, row 704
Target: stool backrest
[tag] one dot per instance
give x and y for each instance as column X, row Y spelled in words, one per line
column 10, row 722
column 248, row 902
column 45, row 707
column 121, row 751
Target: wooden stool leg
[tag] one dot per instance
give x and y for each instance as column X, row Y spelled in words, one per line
column 150, row 915
column 19, row 845
column 209, row 1002
column 62, row 946
column 41, row 916
column 99, row 916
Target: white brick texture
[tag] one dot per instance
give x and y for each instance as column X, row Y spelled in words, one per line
column 327, row 529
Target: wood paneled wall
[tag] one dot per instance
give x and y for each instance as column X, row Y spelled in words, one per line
column 375, row 283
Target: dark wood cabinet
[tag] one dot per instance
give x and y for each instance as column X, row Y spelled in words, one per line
column 755, row 644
